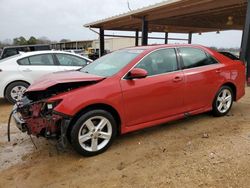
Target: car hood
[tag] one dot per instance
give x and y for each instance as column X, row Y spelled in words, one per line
column 68, row 77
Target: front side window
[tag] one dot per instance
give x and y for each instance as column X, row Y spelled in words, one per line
column 70, row 60
column 193, row 57
column 112, row 63
column 159, row 62
column 44, row 59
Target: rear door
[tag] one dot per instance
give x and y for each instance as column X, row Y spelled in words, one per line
column 202, row 78
column 33, row 67
column 157, row 96
column 70, row 62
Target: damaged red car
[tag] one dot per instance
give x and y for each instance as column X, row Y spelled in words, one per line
column 127, row 90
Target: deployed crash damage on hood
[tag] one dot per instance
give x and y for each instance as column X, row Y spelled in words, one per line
column 35, row 113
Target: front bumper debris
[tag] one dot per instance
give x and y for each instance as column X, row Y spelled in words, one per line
column 37, row 119
column 20, row 123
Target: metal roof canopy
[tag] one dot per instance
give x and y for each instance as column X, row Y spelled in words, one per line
column 181, row 16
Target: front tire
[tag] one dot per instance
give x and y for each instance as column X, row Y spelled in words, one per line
column 93, row 132
column 15, row 90
column 223, row 101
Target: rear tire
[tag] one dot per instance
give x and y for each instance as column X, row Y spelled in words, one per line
column 15, row 90
column 93, row 132
column 223, row 101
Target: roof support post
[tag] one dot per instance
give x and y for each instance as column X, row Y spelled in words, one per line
column 166, row 37
column 136, row 37
column 101, row 38
column 245, row 43
column 144, row 31
column 190, row 38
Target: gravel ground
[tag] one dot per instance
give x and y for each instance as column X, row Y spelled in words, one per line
column 201, row 151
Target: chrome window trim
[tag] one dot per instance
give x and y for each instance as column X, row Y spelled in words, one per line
column 200, row 67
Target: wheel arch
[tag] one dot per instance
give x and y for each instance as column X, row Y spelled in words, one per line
column 4, row 92
column 99, row 106
column 233, row 87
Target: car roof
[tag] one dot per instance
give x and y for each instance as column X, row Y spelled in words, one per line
column 24, row 46
column 158, row 46
column 27, row 54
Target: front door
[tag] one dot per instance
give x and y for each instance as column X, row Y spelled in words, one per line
column 158, row 95
column 70, row 62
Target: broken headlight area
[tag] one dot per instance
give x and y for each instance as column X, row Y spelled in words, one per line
column 38, row 118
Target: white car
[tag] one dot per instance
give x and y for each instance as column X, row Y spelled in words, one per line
column 19, row 71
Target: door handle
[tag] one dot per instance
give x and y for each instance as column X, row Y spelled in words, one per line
column 27, row 70
column 177, row 79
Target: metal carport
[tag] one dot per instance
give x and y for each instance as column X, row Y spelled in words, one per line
column 183, row 16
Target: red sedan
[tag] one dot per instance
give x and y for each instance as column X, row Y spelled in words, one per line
column 127, row 90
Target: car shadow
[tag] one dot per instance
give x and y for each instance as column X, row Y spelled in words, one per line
column 4, row 102
column 176, row 125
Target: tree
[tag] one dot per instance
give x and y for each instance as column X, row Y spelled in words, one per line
column 64, row 40
column 43, row 40
column 32, row 40
column 20, row 41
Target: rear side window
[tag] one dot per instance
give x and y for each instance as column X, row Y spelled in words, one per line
column 24, row 61
column 70, row 60
column 44, row 59
column 193, row 57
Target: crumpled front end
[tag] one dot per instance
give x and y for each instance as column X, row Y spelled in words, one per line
column 35, row 113
column 38, row 118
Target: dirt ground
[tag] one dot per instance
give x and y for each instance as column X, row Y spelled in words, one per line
column 200, row 151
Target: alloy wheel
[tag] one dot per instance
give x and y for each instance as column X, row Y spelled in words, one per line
column 224, row 100
column 95, row 133
column 17, row 92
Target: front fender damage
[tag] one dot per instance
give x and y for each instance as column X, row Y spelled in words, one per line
column 34, row 114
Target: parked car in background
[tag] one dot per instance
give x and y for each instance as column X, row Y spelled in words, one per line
column 127, row 90
column 19, row 71
column 78, row 51
column 13, row 50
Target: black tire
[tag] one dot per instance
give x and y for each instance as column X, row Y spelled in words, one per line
column 215, row 110
column 79, row 125
column 10, row 88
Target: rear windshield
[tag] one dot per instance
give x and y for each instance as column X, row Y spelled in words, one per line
column 2, row 60
column 230, row 55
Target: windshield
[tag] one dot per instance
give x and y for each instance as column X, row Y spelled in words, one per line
column 112, row 63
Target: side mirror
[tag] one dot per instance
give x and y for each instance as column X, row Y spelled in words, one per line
column 137, row 73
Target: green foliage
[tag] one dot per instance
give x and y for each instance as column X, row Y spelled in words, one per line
column 65, row 40
column 20, row 41
column 32, row 40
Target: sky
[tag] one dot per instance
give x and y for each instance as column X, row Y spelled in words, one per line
column 64, row 19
